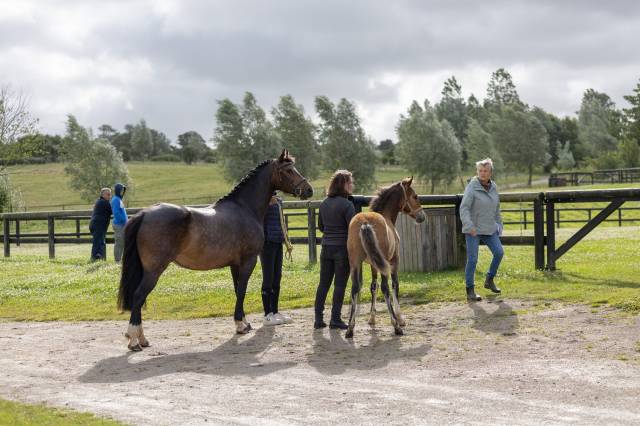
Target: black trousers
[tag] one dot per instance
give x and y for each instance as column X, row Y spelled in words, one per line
column 99, row 245
column 334, row 264
column 271, row 262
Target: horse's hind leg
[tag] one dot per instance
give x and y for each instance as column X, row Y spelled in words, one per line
column 374, row 289
column 390, row 305
column 135, row 334
column 356, row 281
column 396, row 299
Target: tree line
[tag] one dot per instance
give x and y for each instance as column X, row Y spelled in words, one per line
column 435, row 142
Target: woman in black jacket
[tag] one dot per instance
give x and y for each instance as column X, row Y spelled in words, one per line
column 99, row 223
column 336, row 211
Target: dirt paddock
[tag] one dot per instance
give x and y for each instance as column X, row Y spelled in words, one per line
column 497, row 362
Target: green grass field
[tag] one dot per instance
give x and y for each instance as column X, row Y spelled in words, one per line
column 18, row 414
column 600, row 270
column 44, row 186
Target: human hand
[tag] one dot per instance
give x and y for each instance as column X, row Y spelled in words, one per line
column 473, row 232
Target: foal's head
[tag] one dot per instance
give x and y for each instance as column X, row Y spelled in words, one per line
column 288, row 179
column 411, row 203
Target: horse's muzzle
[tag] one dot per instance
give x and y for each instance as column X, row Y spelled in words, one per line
column 305, row 193
column 420, row 217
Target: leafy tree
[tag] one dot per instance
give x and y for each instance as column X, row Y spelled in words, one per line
column 501, row 91
column 565, row 158
column 344, row 142
column 160, row 143
column 193, row 147
column 569, row 134
column 629, row 153
column 452, row 108
column 520, row 138
column 297, row 134
column 243, row 137
column 480, row 145
column 91, row 163
column 596, row 122
column 632, row 115
column 428, row 147
column 553, row 126
column 10, row 198
column 141, row 141
column 387, row 150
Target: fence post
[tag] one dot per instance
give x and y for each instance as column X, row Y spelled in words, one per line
column 525, row 218
column 551, row 237
column 7, row 229
column 461, row 245
column 52, row 237
column 558, row 218
column 538, row 231
column 311, row 234
column 17, row 233
column 77, row 228
column 619, row 216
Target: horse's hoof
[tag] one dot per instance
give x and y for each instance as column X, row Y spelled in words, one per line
column 401, row 321
column 372, row 321
column 249, row 328
column 127, row 335
column 349, row 334
column 399, row 332
column 135, row 348
column 144, row 343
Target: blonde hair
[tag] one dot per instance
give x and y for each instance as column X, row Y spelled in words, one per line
column 103, row 190
column 484, row 163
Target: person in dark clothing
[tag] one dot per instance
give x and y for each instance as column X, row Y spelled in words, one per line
column 99, row 223
column 271, row 262
column 335, row 213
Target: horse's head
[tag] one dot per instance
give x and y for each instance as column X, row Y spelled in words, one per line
column 411, row 203
column 288, row 179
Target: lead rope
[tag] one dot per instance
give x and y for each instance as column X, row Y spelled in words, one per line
column 285, row 232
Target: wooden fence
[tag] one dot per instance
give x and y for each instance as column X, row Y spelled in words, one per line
column 628, row 175
column 542, row 203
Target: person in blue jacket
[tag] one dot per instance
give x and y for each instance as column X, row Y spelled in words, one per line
column 271, row 262
column 119, row 220
column 481, row 221
column 99, row 223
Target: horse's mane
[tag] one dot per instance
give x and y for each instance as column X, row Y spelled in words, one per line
column 382, row 198
column 242, row 182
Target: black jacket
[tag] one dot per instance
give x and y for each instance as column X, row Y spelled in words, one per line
column 101, row 215
column 334, row 217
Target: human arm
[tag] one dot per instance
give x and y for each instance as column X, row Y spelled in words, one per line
column 468, row 227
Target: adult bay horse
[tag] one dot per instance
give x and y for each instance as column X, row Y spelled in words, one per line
column 228, row 233
column 373, row 239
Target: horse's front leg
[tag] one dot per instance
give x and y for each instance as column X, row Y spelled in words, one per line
column 356, row 282
column 374, row 290
column 244, row 271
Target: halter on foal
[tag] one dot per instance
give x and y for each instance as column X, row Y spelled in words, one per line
column 373, row 239
column 228, row 233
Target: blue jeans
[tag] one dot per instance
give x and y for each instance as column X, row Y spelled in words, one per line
column 473, row 243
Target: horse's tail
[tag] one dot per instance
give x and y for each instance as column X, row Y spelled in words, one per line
column 132, row 270
column 372, row 249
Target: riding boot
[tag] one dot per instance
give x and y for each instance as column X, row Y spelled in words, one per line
column 319, row 323
column 472, row 296
column 490, row 285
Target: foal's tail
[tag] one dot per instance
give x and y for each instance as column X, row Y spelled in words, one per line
column 131, row 266
column 372, row 249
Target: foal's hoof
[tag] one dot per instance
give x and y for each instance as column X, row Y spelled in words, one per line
column 135, row 348
column 372, row 320
column 144, row 343
column 249, row 328
column 401, row 321
column 242, row 327
column 399, row 332
column 349, row 334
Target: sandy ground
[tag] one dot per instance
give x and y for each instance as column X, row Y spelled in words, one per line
column 497, row 362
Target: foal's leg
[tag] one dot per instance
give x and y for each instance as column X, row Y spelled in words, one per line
column 388, row 298
column 134, row 332
column 356, row 281
column 396, row 288
column 244, row 272
column 374, row 289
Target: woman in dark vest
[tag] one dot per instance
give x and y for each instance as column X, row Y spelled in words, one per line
column 271, row 262
column 336, row 211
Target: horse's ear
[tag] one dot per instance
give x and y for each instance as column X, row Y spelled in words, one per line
column 407, row 181
column 283, row 155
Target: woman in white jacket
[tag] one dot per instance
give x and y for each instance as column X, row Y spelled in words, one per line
column 481, row 221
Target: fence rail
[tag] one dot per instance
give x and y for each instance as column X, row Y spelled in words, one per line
column 297, row 210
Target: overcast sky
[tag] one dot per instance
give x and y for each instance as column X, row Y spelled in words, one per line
column 169, row 62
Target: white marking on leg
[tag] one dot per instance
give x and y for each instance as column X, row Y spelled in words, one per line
column 133, row 332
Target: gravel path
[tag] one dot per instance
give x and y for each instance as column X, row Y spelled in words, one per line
column 497, row 362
